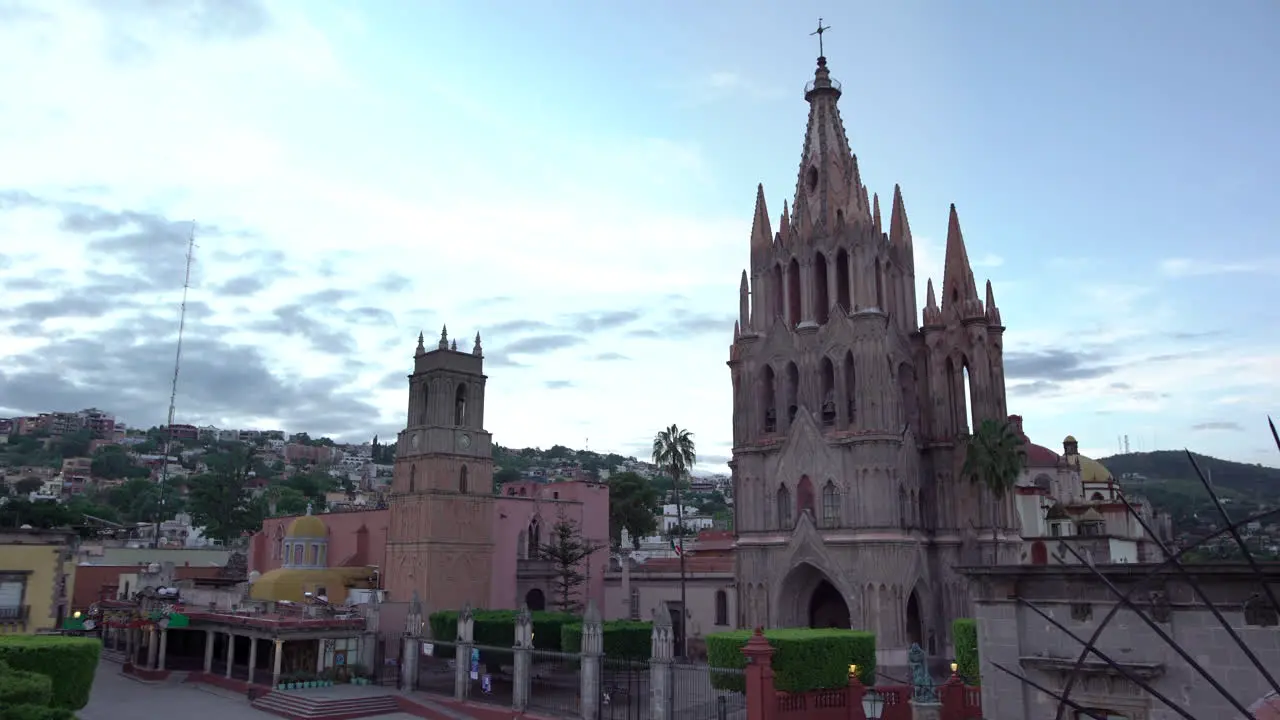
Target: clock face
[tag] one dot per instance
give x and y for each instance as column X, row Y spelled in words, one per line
column 464, row 441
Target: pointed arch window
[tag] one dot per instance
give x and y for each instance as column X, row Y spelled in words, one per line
column 830, row 505
column 722, row 607
column 902, row 507
column 769, row 399
column 535, row 539
column 424, row 402
column 784, row 508
column 804, row 495
column 413, row 478
column 793, row 392
column 460, row 405
column 821, row 294
column 462, row 479
column 828, row 392
column 850, row 388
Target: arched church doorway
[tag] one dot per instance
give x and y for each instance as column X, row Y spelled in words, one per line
column 827, row 609
column 915, row 627
column 535, row 600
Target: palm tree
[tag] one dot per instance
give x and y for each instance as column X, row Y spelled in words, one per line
column 994, row 456
column 674, row 451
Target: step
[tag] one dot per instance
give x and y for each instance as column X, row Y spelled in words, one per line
column 296, row 705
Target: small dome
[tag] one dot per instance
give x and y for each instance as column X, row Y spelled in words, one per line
column 1092, row 471
column 1069, row 439
column 307, row 526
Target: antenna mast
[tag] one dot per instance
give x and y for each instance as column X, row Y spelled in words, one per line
column 173, row 391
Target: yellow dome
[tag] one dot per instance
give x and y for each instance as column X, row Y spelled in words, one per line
column 1069, row 439
column 1092, row 471
column 307, row 526
column 292, row 583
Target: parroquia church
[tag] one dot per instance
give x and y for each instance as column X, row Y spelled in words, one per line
column 847, row 406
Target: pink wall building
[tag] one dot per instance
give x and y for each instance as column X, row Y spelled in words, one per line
column 524, row 515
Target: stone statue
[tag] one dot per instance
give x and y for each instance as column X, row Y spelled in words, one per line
column 922, row 690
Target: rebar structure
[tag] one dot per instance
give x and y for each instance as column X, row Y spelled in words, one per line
column 1172, row 563
column 173, row 390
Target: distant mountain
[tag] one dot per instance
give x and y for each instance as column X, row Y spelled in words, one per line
column 1256, row 481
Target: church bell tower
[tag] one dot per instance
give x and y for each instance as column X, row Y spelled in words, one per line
column 440, row 538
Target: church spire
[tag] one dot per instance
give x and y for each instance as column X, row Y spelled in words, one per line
column 422, row 350
column 761, row 231
column 959, row 292
column 829, row 187
column 444, row 337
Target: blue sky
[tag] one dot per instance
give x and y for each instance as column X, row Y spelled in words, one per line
column 578, row 182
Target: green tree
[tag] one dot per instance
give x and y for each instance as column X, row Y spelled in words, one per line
column 28, row 485
column 112, row 462
column 505, row 475
column 675, row 452
column 633, row 506
column 567, row 550
column 282, row 500
column 219, row 500
column 312, row 484
column 74, row 444
column 994, row 455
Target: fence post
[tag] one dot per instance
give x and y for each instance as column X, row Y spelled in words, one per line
column 662, row 649
column 761, row 698
column 952, row 696
column 411, row 645
column 462, row 673
column 523, row 665
column 592, row 649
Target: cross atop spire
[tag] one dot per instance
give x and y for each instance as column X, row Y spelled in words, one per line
column 822, row 56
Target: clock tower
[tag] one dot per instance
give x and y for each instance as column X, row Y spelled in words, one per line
column 440, row 537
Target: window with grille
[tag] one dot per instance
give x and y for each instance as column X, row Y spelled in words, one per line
column 635, row 604
column 830, row 505
column 784, row 508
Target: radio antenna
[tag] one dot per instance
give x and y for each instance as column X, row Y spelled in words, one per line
column 173, row 391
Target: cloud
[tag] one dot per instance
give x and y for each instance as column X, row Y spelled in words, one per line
column 558, row 384
column 1055, row 364
column 1221, row 425
column 242, row 286
column 609, row 357
column 1185, row 267
column 720, row 84
column 539, row 344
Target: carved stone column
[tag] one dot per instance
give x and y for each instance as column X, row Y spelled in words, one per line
column 660, row 669
column 462, row 656
column 592, row 651
column 523, row 667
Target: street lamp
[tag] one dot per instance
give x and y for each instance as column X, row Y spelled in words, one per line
column 955, row 667
column 872, row 704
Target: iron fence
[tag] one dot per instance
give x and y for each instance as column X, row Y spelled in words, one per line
column 700, row 692
column 492, row 675
column 624, row 689
column 386, row 667
column 555, row 684
column 437, row 667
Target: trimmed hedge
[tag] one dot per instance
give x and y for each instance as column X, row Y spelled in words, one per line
column 35, row 712
column 623, row 639
column 964, row 640
column 18, row 687
column 68, row 661
column 497, row 628
column 803, row 658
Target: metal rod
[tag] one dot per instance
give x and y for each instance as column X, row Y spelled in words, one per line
column 1235, row 533
column 1204, row 598
column 1116, row 666
column 1173, row 645
column 1061, row 698
column 1142, row 582
column 173, row 392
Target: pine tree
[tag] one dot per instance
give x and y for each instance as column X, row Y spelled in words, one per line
column 567, row 550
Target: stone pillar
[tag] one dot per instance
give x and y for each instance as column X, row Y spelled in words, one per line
column 253, row 657
column 760, row 697
column 663, row 648
column 164, row 648
column 462, row 654
column 592, row 652
column 231, row 652
column 951, row 695
column 276, row 651
column 410, row 650
column 521, row 683
column 128, row 645
column 153, row 647
column 926, row 710
column 209, row 639
column 320, row 657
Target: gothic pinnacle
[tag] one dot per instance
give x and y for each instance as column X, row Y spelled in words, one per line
column 475, row 350
column 761, row 233
column 784, row 225
column 422, row 350
column 899, row 228
column 875, row 214
column 444, row 337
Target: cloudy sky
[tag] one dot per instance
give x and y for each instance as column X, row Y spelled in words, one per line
column 576, row 181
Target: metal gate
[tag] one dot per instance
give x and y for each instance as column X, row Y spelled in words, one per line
column 437, row 667
column 386, row 668
column 624, row 689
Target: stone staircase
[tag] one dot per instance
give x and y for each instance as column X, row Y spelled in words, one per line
column 302, row 706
